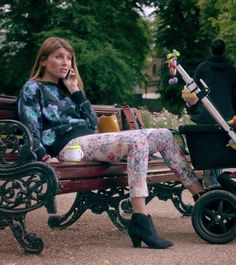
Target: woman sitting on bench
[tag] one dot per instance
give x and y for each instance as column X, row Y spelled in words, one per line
column 53, row 106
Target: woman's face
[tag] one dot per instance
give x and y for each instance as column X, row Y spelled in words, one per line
column 57, row 65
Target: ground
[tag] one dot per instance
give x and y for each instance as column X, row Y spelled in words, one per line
column 93, row 240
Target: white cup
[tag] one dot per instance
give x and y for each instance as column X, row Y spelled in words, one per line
column 73, row 153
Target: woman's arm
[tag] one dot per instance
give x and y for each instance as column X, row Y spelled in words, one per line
column 29, row 112
column 84, row 107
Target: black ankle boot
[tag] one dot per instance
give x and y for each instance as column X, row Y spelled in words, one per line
column 141, row 228
column 198, row 195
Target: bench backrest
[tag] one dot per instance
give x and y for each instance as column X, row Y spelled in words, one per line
column 8, row 108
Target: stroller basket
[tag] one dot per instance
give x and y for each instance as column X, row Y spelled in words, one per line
column 207, row 145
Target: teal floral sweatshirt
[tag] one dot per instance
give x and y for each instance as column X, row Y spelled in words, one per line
column 54, row 118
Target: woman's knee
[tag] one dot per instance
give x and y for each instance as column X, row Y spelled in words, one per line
column 138, row 141
column 167, row 134
column 163, row 135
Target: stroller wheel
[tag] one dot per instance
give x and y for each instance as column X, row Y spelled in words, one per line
column 214, row 217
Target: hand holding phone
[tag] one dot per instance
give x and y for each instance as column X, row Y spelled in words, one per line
column 71, row 82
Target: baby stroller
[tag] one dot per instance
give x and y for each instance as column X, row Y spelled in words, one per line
column 211, row 147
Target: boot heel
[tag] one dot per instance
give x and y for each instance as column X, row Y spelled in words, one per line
column 136, row 241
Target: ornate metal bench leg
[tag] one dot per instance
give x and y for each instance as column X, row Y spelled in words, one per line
column 173, row 191
column 112, row 207
column 79, row 206
column 110, row 201
column 3, row 222
column 126, row 206
column 98, row 202
column 184, row 209
column 119, row 222
column 28, row 241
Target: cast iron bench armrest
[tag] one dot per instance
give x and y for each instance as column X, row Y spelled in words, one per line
column 25, row 184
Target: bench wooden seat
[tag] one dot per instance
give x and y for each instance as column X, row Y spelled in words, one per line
column 100, row 187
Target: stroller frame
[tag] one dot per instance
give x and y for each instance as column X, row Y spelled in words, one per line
column 214, row 214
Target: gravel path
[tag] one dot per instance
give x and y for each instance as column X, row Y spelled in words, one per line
column 93, row 240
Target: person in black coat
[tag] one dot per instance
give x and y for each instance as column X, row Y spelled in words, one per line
column 220, row 76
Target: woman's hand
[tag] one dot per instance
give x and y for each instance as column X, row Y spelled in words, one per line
column 52, row 160
column 48, row 159
column 71, row 82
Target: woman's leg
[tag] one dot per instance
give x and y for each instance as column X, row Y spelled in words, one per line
column 117, row 146
column 114, row 147
column 132, row 145
column 162, row 140
column 139, row 205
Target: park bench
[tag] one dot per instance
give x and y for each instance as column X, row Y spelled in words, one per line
column 27, row 184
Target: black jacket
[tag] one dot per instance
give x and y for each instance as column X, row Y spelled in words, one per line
column 220, row 76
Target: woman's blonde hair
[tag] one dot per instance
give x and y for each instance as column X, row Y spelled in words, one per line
column 47, row 47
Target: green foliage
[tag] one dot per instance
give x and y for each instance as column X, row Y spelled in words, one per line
column 218, row 20
column 22, row 20
column 177, row 27
column 112, row 41
column 226, row 23
column 107, row 76
column 189, row 26
column 208, row 11
column 109, row 57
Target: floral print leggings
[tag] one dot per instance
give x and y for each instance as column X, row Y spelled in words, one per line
column 136, row 146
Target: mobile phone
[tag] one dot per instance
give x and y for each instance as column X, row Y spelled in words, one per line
column 67, row 75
